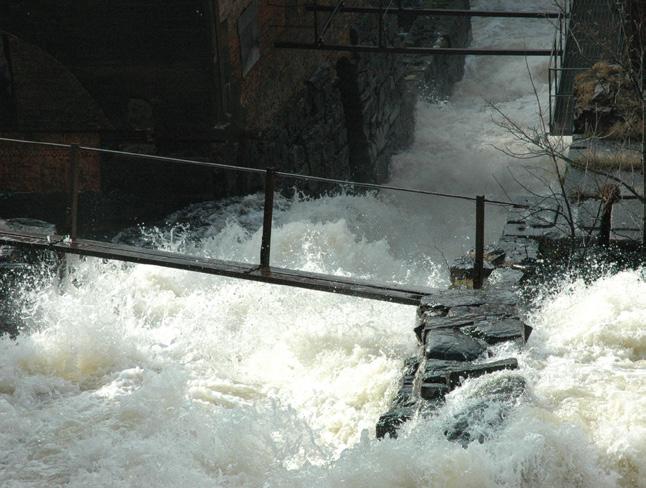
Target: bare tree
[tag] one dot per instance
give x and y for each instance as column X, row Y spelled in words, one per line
column 625, row 63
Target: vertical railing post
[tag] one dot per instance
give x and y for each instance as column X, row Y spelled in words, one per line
column 381, row 23
column 316, row 23
column 478, row 267
column 265, row 248
column 73, row 183
column 549, row 104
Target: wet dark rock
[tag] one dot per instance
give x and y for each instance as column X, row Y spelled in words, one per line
column 433, row 391
column 404, row 403
column 405, row 397
column 437, row 370
column 452, row 345
column 519, row 251
column 429, row 323
column 444, row 300
column 462, row 271
column 392, row 420
column 527, row 331
column 506, row 277
column 411, row 365
column 452, row 373
column 455, row 377
column 7, row 253
column 495, row 331
column 486, row 310
column 486, row 410
column 493, row 254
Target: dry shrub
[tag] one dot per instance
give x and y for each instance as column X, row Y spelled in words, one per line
column 606, row 103
column 619, row 160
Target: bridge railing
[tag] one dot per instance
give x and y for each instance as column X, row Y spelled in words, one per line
column 555, row 67
column 270, row 176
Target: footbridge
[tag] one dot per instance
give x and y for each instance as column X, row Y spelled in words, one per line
column 67, row 241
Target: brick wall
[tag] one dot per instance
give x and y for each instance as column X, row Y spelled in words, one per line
column 40, row 169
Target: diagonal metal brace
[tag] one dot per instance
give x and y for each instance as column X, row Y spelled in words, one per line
column 328, row 22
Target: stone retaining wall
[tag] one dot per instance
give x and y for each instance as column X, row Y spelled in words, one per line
column 354, row 113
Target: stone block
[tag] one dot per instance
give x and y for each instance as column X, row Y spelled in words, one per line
column 493, row 331
column 433, row 391
column 452, row 345
column 452, row 373
column 389, row 422
column 436, row 370
column 485, row 311
column 444, row 300
column 462, row 271
column 505, row 277
column 519, row 251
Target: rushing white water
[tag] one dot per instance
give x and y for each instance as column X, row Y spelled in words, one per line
column 140, row 376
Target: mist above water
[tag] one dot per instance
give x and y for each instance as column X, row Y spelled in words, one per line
column 141, row 376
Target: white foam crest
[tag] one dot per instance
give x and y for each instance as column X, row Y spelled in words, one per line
column 588, row 358
column 139, row 376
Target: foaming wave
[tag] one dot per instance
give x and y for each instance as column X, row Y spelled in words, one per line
column 588, row 357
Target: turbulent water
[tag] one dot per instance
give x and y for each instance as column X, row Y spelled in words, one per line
column 140, row 376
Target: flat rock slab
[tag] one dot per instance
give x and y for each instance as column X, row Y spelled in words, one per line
column 431, row 322
column 462, row 270
column 486, row 310
column 433, row 391
column 491, row 322
column 447, row 299
column 452, row 373
column 452, row 345
column 495, row 331
column 519, row 251
column 505, row 277
column 437, row 370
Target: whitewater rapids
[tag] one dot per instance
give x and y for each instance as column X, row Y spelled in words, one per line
column 129, row 376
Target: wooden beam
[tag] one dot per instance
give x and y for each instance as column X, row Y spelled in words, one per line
column 277, row 276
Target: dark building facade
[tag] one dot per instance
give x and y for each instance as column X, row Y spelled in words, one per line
column 202, row 79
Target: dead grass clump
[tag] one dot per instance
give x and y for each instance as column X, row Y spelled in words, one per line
column 606, row 103
column 619, row 160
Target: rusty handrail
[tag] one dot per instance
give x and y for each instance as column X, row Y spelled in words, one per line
column 269, row 188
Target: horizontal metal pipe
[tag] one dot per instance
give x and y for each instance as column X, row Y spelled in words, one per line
column 569, row 69
column 435, row 12
column 297, row 176
column 455, row 51
column 375, row 186
column 167, row 159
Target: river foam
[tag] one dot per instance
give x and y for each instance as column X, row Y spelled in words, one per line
column 138, row 376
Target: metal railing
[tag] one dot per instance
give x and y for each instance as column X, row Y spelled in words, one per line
column 556, row 62
column 270, row 175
